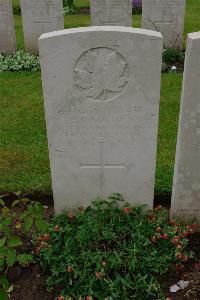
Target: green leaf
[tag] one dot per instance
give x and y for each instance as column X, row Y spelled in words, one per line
column 11, row 258
column 2, row 203
column 18, row 193
column 23, row 215
column 3, row 252
column 7, row 231
column 3, row 295
column 15, row 202
column 24, row 200
column 14, row 242
column 4, row 282
column 1, row 264
column 28, row 222
column 7, row 221
column 41, row 225
column 2, row 241
column 24, row 259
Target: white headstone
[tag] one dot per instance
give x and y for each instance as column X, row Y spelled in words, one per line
column 186, row 187
column 166, row 16
column 7, row 29
column 101, row 90
column 40, row 16
column 111, row 12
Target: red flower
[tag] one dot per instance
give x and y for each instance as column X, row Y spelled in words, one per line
column 179, row 255
column 56, row 228
column 185, row 233
column 70, row 215
column 151, row 217
column 99, row 275
column 70, row 269
column 127, row 210
column 44, row 237
column 159, row 207
column 60, row 298
column 153, row 239
column 158, row 229
column 175, row 240
column 173, row 223
column 192, row 228
column 164, row 236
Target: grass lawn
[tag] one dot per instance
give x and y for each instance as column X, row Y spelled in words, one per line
column 23, row 147
column 77, row 3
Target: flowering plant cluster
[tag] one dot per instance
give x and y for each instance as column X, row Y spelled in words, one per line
column 137, row 6
column 111, row 252
column 19, row 61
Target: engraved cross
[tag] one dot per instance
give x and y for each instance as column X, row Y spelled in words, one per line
column 102, row 166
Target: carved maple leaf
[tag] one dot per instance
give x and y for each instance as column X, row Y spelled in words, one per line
column 102, row 74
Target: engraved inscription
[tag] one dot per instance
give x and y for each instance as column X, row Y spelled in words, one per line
column 101, row 74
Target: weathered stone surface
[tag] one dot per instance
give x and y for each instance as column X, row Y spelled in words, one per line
column 7, row 29
column 101, row 90
column 40, row 16
column 186, row 187
column 166, row 16
column 111, row 12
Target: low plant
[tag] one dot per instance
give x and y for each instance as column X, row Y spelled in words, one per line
column 173, row 55
column 137, row 6
column 68, row 10
column 17, row 222
column 19, row 61
column 108, row 252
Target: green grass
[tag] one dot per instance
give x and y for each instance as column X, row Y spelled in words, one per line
column 77, row 3
column 23, row 146
column 169, row 111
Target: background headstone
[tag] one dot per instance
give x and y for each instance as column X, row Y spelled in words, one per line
column 40, row 16
column 111, row 12
column 101, row 90
column 166, row 16
column 186, row 187
column 7, row 29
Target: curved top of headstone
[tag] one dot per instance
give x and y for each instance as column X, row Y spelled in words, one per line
column 101, row 29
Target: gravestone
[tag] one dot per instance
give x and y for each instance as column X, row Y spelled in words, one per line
column 166, row 16
column 40, row 16
column 7, row 29
column 186, row 187
column 101, row 90
column 111, row 12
